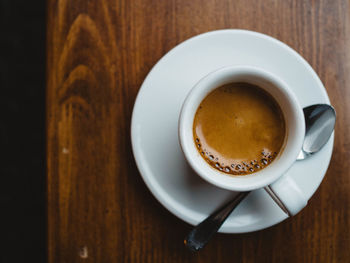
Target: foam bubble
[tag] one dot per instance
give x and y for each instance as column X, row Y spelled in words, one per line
column 236, row 168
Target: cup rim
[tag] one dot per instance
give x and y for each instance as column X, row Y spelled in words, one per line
column 285, row 158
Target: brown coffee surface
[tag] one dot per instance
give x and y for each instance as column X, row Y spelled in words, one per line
column 239, row 128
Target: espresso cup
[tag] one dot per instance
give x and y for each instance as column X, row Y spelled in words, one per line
column 279, row 185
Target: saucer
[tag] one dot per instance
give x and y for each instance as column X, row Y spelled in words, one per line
column 154, row 127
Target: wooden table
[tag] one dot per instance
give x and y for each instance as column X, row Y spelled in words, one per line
column 98, row 53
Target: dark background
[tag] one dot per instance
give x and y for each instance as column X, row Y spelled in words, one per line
column 22, row 131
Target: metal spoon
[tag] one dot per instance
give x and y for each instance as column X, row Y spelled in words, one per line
column 319, row 121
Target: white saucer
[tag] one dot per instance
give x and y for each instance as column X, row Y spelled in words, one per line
column 155, row 123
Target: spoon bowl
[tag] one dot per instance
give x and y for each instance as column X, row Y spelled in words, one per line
column 319, row 124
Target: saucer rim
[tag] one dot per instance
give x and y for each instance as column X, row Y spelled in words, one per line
column 158, row 192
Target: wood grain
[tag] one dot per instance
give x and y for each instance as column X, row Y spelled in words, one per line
column 98, row 53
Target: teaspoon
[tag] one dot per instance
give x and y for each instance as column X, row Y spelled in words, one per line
column 319, row 122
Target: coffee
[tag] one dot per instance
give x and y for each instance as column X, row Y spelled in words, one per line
column 239, row 128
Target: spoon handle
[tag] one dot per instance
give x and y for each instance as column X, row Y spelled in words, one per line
column 202, row 233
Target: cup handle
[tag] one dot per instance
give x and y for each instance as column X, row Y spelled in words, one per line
column 287, row 194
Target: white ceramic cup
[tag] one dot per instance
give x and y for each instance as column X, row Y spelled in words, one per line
column 281, row 187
